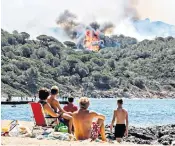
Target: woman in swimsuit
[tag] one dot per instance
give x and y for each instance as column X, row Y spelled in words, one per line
column 43, row 95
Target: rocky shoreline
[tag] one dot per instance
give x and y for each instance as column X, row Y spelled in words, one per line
column 150, row 135
column 135, row 93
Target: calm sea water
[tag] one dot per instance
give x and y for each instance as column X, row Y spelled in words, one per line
column 142, row 112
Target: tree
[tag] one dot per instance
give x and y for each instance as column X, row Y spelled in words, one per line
column 99, row 62
column 139, row 83
column 10, row 55
column 111, row 63
column 81, row 69
column 25, row 35
column 75, row 79
column 26, row 51
column 31, row 78
column 41, row 53
column 54, row 49
column 11, row 40
column 64, row 68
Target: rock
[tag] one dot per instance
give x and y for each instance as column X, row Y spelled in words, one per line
column 151, row 135
column 165, row 139
column 144, row 142
column 142, row 136
column 165, row 143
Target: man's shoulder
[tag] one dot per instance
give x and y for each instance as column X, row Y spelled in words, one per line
column 115, row 111
column 55, row 101
column 93, row 113
column 124, row 110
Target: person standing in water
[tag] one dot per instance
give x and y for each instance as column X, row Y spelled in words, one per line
column 120, row 116
column 70, row 107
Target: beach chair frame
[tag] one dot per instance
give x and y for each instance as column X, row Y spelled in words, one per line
column 36, row 125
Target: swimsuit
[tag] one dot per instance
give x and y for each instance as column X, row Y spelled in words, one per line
column 95, row 131
column 49, row 119
column 120, row 130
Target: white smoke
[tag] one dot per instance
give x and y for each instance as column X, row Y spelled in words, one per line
column 39, row 16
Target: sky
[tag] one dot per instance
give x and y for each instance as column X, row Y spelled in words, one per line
column 36, row 16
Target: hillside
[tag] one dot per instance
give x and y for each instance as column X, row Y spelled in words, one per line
column 139, row 69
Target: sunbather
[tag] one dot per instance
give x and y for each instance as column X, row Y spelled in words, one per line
column 84, row 127
column 121, row 117
column 43, row 95
column 54, row 103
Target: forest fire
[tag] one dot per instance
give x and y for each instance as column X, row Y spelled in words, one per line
column 86, row 35
column 91, row 40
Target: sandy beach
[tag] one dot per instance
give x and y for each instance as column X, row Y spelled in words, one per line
column 17, row 141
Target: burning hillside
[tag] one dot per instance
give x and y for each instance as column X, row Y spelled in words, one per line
column 86, row 36
column 94, row 36
column 117, row 17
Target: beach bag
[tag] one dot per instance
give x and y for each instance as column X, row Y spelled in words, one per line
column 61, row 128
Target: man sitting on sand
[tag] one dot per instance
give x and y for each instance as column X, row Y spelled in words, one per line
column 70, row 107
column 120, row 116
column 54, row 103
column 84, row 127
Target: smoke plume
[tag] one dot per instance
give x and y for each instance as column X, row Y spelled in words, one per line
column 38, row 16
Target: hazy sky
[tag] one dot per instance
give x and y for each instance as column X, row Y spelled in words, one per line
column 34, row 16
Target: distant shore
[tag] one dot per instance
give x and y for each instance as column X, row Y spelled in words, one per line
column 131, row 94
column 134, row 93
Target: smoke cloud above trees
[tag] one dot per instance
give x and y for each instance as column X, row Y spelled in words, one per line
column 38, row 16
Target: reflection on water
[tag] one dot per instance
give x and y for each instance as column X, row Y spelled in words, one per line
column 142, row 112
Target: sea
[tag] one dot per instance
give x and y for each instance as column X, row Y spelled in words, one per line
column 142, row 112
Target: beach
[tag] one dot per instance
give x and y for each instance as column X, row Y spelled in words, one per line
column 9, row 141
column 16, row 141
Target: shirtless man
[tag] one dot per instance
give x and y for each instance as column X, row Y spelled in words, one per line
column 54, row 103
column 121, row 118
column 84, row 127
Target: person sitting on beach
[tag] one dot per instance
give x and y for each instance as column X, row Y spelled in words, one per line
column 84, row 127
column 70, row 107
column 43, row 95
column 120, row 116
column 54, row 103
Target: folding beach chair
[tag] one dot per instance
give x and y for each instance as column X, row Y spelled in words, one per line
column 39, row 116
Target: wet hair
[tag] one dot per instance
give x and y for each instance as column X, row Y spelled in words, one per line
column 43, row 93
column 84, row 102
column 54, row 90
column 71, row 99
column 120, row 101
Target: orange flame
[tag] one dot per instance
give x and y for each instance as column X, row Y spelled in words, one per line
column 91, row 40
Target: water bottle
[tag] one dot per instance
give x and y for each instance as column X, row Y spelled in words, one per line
column 14, row 129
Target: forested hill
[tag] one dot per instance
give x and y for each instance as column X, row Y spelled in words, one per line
column 144, row 67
